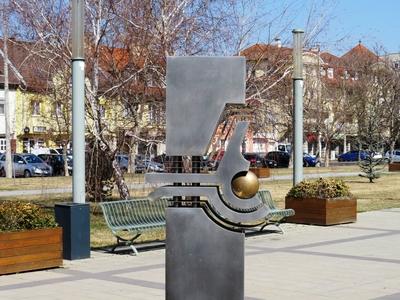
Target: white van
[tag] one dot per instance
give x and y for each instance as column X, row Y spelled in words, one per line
column 395, row 155
column 284, row 147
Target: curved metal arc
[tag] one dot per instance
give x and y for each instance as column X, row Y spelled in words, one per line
column 211, row 192
column 232, row 163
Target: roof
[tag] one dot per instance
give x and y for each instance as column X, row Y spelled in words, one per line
column 330, row 59
column 359, row 53
column 263, row 51
column 37, row 72
column 19, row 54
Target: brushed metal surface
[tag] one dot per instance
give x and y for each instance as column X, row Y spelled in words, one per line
column 232, row 163
column 211, row 193
column 198, row 88
column 203, row 260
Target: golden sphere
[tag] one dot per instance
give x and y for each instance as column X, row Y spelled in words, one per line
column 245, row 184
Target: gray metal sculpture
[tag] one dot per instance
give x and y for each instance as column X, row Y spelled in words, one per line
column 205, row 240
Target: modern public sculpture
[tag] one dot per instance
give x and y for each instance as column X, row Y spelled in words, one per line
column 205, row 224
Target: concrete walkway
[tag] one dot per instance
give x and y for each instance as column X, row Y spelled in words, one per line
column 352, row 261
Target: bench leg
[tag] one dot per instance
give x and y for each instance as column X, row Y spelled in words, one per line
column 134, row 250
column 276, row 224
column 126, row 242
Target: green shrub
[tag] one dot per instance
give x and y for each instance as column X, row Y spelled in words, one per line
column 321, row 188
column 15, row 216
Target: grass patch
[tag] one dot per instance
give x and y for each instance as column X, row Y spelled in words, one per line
column 34, row 183
column 43, row 183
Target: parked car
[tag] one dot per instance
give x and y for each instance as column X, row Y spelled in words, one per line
column 377, row 155
column 395, row 155
column 285, row 148
column 123, row 161
column 56, row 161
column 255, row 159
column 59, row 151
column 214, row 159
column 353, row 155
column 148, row 165
column 27, row 165
column 258, row 160
column 279, row 158
column 310, row 160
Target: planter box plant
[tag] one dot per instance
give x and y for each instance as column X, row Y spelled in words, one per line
column 29, row 238
column 394, row 167
column 261, row 172
column 322, row 202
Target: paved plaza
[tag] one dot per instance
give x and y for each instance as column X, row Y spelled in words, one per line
column 352, row 261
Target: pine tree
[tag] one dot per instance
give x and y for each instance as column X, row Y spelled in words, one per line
column 371, row 167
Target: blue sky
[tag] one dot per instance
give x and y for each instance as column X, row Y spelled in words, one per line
column 374, row 22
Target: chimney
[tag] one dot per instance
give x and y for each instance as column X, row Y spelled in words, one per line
column 277, row 42
column 315, row 48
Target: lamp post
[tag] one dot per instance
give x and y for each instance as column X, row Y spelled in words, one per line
column 75, row 217
column 78, row 101
column 297, row 105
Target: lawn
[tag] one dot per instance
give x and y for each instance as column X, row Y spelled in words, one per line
column 385, row 193
column 43, row 183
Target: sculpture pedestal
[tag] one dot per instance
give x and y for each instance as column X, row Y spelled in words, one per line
column 203, row 260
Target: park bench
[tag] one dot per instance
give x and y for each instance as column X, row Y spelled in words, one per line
column 134, row 216
column 276, row 215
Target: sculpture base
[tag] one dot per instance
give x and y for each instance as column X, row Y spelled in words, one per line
column 203, row 260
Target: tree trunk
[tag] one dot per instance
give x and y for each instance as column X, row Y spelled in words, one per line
column 392, row 145
column 327, row 152
column 120, row 181
column 132, row 157
column 64, row 154
column 8, row 162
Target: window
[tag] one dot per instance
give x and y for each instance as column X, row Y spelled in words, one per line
column 2, row 144
column 17, row 158
column 330, row 73
column 2, row 108
column 35, row 108
column 39, row 129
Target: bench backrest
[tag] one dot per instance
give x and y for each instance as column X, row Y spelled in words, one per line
column 124, row 213
column 266, row 198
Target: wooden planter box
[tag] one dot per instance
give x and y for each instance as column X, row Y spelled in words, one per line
column 30, row 250
column 394, row 167
column 322, row 211
column 261, row 172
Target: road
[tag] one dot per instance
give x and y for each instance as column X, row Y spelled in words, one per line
column 141, row 186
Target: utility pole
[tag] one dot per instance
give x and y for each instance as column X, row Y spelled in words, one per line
column 8, row 166
column 297, row 105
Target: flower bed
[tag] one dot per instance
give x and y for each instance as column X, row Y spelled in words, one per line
column 29, row 238
column 261, row 172
column 322, row 202
column 394, row 167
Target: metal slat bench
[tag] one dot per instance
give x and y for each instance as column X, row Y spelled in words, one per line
column 136, row 216
column 276, row 215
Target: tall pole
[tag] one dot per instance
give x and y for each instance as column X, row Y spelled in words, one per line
column 298, row 105
column 8, row 166
column 78, row 102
